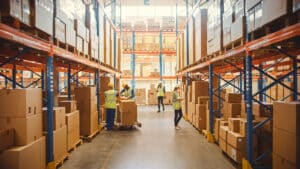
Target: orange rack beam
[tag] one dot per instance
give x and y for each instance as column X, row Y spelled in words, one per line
column 149, row 78
column 14, row 35
column 273, row 38
column 142, row 52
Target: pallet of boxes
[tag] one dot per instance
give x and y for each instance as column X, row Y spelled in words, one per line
column 87, row 104
column 103, row 87
column 22, row 143
column 152, row 95
column 69, row 109
column 128, row 113
column 230, row 131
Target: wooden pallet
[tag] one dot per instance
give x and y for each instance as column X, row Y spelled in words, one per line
column 234, row 44
column 94, row 60
column 213, row 55
column 59, row 163
column 90, row 137
column 74, row 147
column 274, row 26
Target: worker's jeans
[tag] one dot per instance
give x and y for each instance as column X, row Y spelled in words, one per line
column 110, row 118
column 178, row 116
column 161, row 101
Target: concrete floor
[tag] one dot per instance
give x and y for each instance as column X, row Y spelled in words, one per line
column 156, row 145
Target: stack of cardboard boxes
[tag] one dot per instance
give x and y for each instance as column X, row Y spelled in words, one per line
column 128, row 112
column 286, row 137
column 71, row 119
column 168, row 98
column 21, row 126
column 140, row 96
column 103, row 87
column 87, row 105
column 152, row 95
column 59, row 132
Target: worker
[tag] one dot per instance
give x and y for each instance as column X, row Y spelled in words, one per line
column 160, row 96
column 126, row 92
column 176, row 100
column 110, row 106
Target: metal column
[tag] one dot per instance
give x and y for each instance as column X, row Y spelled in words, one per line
column 69, row 81
column 97, row 82
column 6, row 82
column 133, row 61
column 295, row 80
column 43, row 79
column 115, row 39
column 248, row 84
column 260, row 83
column 14, row 76
column 50, row 86
column 219, row 94
column 160, row 57
column 210, row 88
column 58, row 82
column 241, row 82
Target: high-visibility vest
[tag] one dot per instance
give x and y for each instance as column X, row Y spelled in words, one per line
column 176, row 103
column 160, row 91
column 110, row 99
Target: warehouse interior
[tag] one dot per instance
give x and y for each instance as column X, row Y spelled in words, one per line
column 80, row 84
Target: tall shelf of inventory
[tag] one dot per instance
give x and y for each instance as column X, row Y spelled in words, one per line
column 267, row 55
column 45, row 57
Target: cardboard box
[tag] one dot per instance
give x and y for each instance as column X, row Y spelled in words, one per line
column 233, row 98
column 20, row 102
column 89, row 124
column 236, row 140
column 69, row 105
column 217, row 127
column 59, row 119
column 27, row 129
column 223, row 132
column 203, row 100
column 286, row 145
column 223, row 144
column 12, row 8
column 43, row 12
column 286, row 116
column 236, row 155
column 6, row 138
column 281, row 163
column 31, row 156
column 65, row 98
column 234, row 124
column 199, row 88
column 59, row 143
column 73, row 129
column 262, row 111
column 243, row 126
column 201, row 116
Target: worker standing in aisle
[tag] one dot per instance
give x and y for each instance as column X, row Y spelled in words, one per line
column 176, row 100
column 160, row 96
column 110, row 106
column 127, row 92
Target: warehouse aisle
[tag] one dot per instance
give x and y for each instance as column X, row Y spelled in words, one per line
column 154, row 146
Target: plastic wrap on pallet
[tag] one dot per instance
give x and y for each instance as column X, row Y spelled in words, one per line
column 44, row 12
column 273, row 9
column 296, row 5
column 254, row 17
column 200, row 34
column 214, row 27
column 11, row 8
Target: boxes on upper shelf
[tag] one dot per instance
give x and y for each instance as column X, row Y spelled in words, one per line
column 59, row 119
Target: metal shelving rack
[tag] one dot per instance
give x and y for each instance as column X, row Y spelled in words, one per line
column 244, row 59
column 25, row 52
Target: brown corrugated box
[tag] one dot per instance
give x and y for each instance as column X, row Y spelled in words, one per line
column 20, row 102
column 128, row 110
column 262, row 111
column 234, row 124
column 65, row 98
column 223, row 132
column 231, row 110
column 286, row 145
column 70, row 105
column 286, row 116
column 59, row 143
column 6, row 138
column 223, row 144
column 59, row 119
column 199, row 88
column 233, row 98
column 201, row 115
column 73, row 129
column 27, row 129
column 243, row 126
column 217, row 127
column 203, row 100
column 281, row 163
column 31, row 156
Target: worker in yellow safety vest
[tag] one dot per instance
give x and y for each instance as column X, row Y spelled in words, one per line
column 177, row 106
column 126, row 92
column 110, row 106
column 160, row 96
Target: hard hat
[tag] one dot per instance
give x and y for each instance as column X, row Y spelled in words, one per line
column 110, row 85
